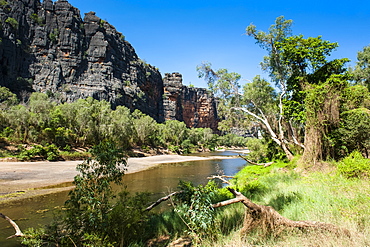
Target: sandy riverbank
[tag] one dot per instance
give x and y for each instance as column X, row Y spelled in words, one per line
column 20, row 180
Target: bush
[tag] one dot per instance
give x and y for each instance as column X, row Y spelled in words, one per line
column 12, row 22
column 232, row 140
column 258, row 149
column 49, row 152
column 354, row 166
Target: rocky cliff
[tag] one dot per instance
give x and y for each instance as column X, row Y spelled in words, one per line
column 195, row 106
column 47, row 47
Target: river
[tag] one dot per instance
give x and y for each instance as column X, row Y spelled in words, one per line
column 158, row 181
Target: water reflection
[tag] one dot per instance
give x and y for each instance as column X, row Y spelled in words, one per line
column 158, row 181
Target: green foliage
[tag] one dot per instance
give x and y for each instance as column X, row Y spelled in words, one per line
column 354, row 97
column 7, row 98
column 34, row 237
column 225, row 86
column 173, row 132
column 101, row 23
column 271, row 63
column 355, row 166
column 252, row 172
column 87, row 122
column 145, row 129
column 232, row 140
column 128, row 222
column 258, row 149
column 49, row 152
column 259, row 96
column 12, row 22
column 53, row 36
column 304, row 55
column 196, row 209
column 362, row 70
column 89, row 203
column 3, row 3
column 37, row 19
column 353, row 133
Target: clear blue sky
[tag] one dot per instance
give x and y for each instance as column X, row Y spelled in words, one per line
column 177, row 35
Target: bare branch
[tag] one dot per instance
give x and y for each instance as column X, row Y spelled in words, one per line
column 222, row 178
column 228, row 202
column 294, row 138
column 162, row 199
column 18, row 232
column 254, row 163
column 273, row 135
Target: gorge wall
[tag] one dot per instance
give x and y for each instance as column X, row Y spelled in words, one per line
column 47, row 47
column 195, row 106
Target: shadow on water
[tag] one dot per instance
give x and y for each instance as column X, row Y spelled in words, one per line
column 158, row 181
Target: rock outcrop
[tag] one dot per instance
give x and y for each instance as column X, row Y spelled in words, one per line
column 47, row 47
column 195, row 106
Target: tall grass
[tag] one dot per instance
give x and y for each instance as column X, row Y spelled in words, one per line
column 328, row 197
column 325, row 197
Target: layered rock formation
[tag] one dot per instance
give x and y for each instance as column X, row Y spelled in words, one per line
column 47, row 47
column 195, row 106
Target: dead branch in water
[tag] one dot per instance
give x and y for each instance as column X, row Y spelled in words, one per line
column 256, row 164
column 18, row 232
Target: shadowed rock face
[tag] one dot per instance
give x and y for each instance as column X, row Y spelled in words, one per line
column 47, row 47
column 195, row 106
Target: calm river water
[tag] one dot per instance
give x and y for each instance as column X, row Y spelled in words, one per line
column 158, row 181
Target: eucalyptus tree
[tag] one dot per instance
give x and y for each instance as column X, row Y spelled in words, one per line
column 362, row 68
column 272, row 63
column 315, row 85
column 225, row 86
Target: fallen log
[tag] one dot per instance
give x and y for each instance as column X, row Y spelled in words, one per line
column 18, row 232
column 267, row 219
column 256, row 164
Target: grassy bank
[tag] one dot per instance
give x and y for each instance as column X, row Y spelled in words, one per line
column 326, row 196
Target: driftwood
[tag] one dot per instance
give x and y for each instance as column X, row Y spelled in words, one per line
column 268, row 219
column 18, row 232
column 254, row 163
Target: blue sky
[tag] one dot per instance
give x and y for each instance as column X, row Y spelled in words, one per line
column 177, row 35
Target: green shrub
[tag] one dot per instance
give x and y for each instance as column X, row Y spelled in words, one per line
column 12, row 22
column 258, row 149
column 354, row 166
column 36, row 18
column 49, row 152
column 3, row 3
column 53, row 36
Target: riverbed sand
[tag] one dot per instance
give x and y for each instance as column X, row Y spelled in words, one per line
column 19, row 180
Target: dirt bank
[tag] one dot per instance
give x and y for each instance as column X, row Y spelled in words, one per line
column 20, row 180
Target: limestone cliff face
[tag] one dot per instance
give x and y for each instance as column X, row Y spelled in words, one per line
column 195, row 106
column 47, row 47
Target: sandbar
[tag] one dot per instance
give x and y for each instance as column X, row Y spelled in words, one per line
column 19, row 180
